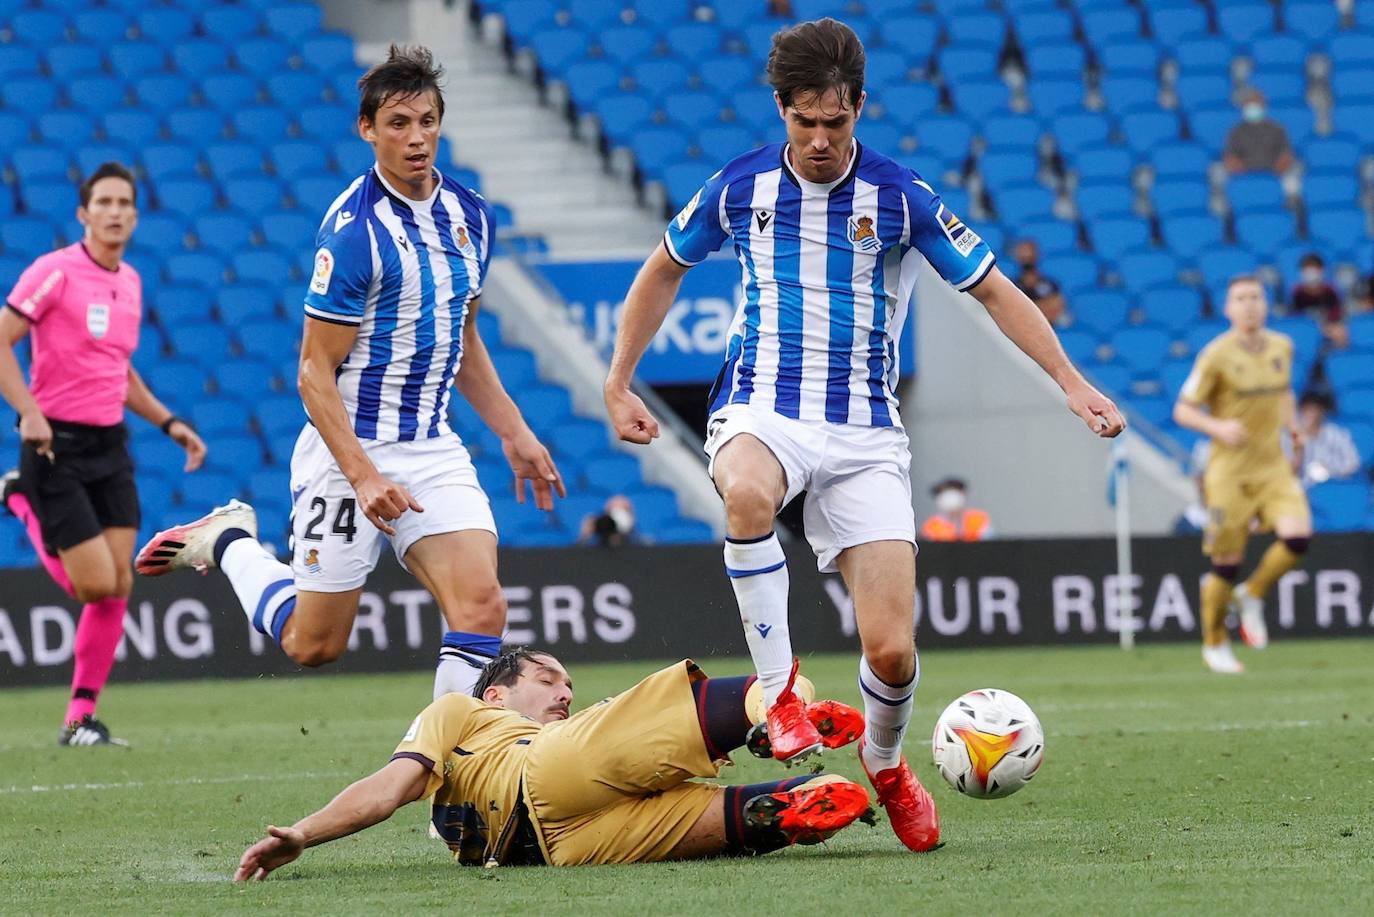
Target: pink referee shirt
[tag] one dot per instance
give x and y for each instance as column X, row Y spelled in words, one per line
column 84, row 330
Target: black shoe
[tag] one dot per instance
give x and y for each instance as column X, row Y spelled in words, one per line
column 87, row 731
column 9, row 484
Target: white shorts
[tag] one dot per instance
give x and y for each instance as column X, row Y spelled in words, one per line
column 334, row 546
column 857, row 479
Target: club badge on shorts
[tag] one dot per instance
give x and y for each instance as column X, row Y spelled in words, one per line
column 312, row 562
column 98, row 320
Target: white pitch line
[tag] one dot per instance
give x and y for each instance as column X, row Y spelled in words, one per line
column 1195, row 727
column 187, row 781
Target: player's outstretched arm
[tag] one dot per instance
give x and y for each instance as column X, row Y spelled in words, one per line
column 362, row 805
column 1026, row 327
column 646, row 304
column 480, row 384
column 141, row 400
column 324, row 346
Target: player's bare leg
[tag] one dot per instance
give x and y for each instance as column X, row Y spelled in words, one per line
column 752, row 484
column 1293, row 535
column 102, row 579
column 459, row 570
column 881, row 576
column 317, row 632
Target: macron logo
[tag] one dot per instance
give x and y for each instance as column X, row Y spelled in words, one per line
column 342, row 220
column 763, row 629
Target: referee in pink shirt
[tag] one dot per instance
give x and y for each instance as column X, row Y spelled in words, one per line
column 75, row 491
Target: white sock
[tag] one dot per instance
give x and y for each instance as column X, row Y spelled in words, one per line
column 462, row 656
column 265, row 586
column 758, row 573
column 887, row 711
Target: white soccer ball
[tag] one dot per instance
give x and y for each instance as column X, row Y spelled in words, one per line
column 988, row 743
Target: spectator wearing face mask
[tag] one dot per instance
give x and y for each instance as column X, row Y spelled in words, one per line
column 1314, row 295
column 954, row 519
column 1329, row 453
column 1258, row 143
column 613, row 527
column 1040, row 289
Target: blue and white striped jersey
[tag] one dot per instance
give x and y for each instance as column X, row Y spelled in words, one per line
column 828, row 271
column 405, row 273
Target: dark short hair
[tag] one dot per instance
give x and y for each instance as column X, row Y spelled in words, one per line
column 107, row 170
column 1321, row 399
column 816, row 57
column 1312, row 258
column 409, row 70
column 504, row 671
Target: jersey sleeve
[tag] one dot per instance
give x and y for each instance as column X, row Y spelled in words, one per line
column 37, row 289
column 488, row 219
column 440, row 728
column 343, row 270
column 700, row 228
column 957, row 253
column 1202, row 383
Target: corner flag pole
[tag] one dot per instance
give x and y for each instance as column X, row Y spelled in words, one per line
column 1121, row 490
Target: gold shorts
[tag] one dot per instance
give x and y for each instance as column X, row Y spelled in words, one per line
column 608, row 785
column 1233, row 503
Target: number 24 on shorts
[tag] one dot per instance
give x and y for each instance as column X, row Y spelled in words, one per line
column 345, row 520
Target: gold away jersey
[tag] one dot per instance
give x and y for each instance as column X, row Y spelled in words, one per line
column 1252, row 386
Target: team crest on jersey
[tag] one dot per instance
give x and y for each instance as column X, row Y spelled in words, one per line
column 98, row 319
column 462, row 239
column 687, row 211
column 960, row 236
column 312, row 562
column 862, row 234
column 324, row 269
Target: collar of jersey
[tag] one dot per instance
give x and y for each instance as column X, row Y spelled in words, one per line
column 87, row 252
column 827, row 188
column 397, row 196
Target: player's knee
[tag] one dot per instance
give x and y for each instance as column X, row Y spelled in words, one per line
column 484, row 612
column 748, row 506
column 314, row 653
column 1298, row 544
column 97, row 587
column 124, row 584
column 894, row 661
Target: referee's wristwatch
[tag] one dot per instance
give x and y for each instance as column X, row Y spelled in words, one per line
column 166, row 426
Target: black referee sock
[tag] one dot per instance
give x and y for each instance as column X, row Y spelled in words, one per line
column 225, row 539
column 721, row 714
column 743, row 839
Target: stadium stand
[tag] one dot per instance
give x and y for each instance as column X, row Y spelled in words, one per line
column 1096, row 127
column 237, row 118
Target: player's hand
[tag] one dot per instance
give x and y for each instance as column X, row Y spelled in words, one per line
column 1096, row 409
column 383, row 500
column 34, row 429
column 531, row 462
column 281, row 846
column 1231, row 432
column 185, row 437
column 630, row 417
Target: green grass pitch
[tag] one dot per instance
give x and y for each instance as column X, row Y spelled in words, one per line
column 1164, row 790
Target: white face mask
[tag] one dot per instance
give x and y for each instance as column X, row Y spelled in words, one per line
column 1312, row 276
column 949, row 500
column 623, row 518
column 1252, row 111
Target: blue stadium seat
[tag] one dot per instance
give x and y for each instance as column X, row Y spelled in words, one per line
column 1173, row 308
column 1144, row 269
column 1242, row 21
column 1105, row 25
column 1101, row 313
column 525, row 16
column 659, row 76
column 186, row 196
column 205, row 343
column 1146, row 130
column 314, row 195
column 202, row 268
column 264, row 123
column 1076, row 273
column 1187, row 232
column 730, row 139
column 290, row 230
column 295, row 21
column 1339, row 505
column 233, row 158
column 948, row 138
column 1112, row 238
column 1172, row 375
column 1104, row 164
column 1357, row 402
column 1355, row 120
column 1113, row 378
column 1007, row 167
column 1171, row 23
column 1334, row 153
column 262, row 55
column 134, row 59
column 243, row 301
column 693, row 108
column 683, row 179
column 280, row 417
column 26, row 237
column 180, row 383
column 297, row 87
column 263, row 266
column 17, row 60
column 625, row 44
column 1338, row 229
column 166, row 160
column 66, row 62
column 621, row 113
column 166, row 25
column 976, row 98
column 1350, row 369
column 557, row 47
column 161, row 232
column 698, row 41
column 976, row 28
column 1179, row 195
column 1198, row 90
column 1297, row 119
column 887, row 66
column 229, row 91
column 30, row 96
column 1311, row 19
column 1024, row 202
column 1129, row 92
column 912, row 32
column 294, row 158
column 255, row 195
column 1141, row 349
column 55, row 200
column 195, row 126
column 222, row 231
column 1080, row 344
column 544, row 405
column 1061, row 59
column 332, row 53
column 1181, row 159
column 1255, row 192
column 270, row 339
column 656, row 147
column 204, row 490
column 352, row 156
column 958, row 62
column 1218, row 264
column 1361, row 328
column 590, row 79
column 728, row 74
column 1074, row 133
column 246, row 378
column 37, row 28
column 98, row 25
column 1018, row 131
column 612, row 473
column 327, row 122
column 1266, row 231
column 1109, row 198
column 231, row 23
column 39, row 163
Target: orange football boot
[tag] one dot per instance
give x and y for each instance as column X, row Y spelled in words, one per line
column 810, row 813
column 790, row 731
column 908, row 804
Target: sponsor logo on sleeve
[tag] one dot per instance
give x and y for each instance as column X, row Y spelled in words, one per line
column 413, row 731
column 44, row 288
column 324, row 269
column 98, row 319
column 960, row 236
column 687, row 211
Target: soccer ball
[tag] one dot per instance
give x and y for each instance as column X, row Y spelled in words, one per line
column 988, row 743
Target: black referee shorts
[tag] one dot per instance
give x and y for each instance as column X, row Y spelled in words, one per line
column 87, row 486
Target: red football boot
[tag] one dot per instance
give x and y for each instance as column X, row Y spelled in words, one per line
column 810, row 813
column 837, row 724
column 908, row 804
column 790, row 731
